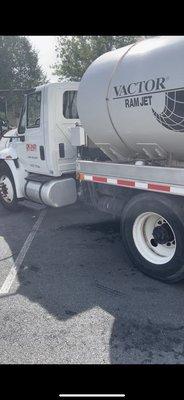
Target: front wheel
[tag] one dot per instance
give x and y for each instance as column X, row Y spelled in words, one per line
column 153, row 235
column 8, row 195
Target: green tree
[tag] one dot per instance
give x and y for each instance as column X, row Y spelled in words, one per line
column 76, row 53
column 19, row 69
column 19, row 66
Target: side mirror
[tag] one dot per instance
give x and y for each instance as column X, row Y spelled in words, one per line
column 5, row 129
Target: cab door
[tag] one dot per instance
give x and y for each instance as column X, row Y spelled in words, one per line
column 66, row 117
column 30, row 145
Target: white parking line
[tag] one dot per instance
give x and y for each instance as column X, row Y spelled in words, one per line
column 17, row 264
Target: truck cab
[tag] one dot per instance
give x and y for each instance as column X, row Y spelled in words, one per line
column 41, row 147
column 43, row 142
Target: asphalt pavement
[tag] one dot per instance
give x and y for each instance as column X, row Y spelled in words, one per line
column 77, row 299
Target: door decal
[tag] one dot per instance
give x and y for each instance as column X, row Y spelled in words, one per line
column 30, row 147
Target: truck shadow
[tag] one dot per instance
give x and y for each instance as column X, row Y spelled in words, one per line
column 77, row 263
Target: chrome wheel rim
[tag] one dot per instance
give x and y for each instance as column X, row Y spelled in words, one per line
column 6, row 189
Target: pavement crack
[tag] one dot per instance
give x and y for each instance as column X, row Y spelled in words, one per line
column 108, row 290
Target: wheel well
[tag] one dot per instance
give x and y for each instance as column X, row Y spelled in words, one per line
column 113, row 199
column 5, row 165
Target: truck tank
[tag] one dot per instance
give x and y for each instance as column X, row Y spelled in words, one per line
column 131, row 100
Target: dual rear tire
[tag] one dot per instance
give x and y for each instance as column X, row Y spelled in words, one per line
column 153, row 235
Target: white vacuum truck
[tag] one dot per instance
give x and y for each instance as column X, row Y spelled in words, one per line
column 129, row 145
column 131, row 106
column 39, row 162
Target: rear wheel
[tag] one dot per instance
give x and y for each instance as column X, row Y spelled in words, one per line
column 153, row 235
column 8, row 195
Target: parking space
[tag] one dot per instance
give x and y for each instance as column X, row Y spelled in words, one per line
column 76, row 298
column 14, row 228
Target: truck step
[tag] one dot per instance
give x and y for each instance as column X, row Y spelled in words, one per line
column 38, row 178
column 32, row 205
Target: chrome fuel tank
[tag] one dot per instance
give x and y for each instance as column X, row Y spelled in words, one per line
column 54, row 193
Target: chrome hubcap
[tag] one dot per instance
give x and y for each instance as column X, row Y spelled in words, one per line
column 6, row 189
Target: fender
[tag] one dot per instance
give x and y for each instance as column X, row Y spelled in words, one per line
column 8, row 155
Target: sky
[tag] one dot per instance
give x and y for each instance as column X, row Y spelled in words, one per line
column 45, row 46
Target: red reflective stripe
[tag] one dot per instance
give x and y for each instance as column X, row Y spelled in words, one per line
column 128, row 183
column 99, row 179
column 154, row 186
column 125, row 183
